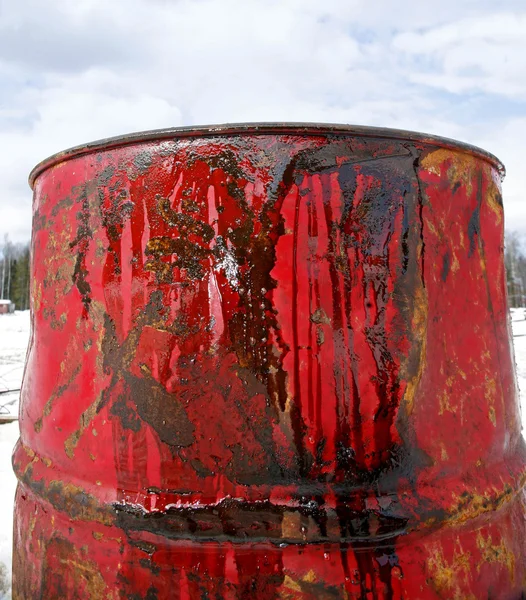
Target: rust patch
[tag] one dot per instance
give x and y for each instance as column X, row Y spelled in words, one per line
column 160, row 409
column 471, row 505
column 495, row 553
column 116, row 360
column 68, row 499
column 67, row 572
column 59, row 391
column 446, row 575
column 460, row 166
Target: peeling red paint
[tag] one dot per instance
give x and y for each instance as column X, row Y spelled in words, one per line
column 270, row 363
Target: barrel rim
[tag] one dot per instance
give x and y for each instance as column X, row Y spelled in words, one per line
column 263, row 128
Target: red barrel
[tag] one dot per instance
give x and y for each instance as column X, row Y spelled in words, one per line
column 269, row 361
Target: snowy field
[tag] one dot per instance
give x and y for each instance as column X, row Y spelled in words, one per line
column 518, row 321
column 14, row 335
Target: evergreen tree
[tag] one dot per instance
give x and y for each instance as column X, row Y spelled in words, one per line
column 19, row 292
column 515, row 261
column 14, row 273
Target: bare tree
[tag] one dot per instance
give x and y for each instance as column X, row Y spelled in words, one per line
column 4, row 249
column 14, row 269
column 515, row 261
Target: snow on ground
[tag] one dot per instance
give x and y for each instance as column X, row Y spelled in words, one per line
column 14, row 336
column 8, row 437
column 518, row 322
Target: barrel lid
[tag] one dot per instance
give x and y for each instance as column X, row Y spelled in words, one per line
column 263, row 128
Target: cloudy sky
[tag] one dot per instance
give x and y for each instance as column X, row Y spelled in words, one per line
column 71, row 72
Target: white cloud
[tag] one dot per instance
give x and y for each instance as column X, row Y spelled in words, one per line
column 484, row 53
column 507, row 142
column 71, row 72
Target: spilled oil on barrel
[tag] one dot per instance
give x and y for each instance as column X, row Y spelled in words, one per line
column 269, row 361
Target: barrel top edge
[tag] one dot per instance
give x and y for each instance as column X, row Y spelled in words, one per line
column 291, row 128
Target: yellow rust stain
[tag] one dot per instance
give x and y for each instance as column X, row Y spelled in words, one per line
column 443, row 399
column 431, row 227
column 285, row 421
column 97, row 313
column 36, row 295
column 492, row 416
column 291, row 525
column 31, row 453
column 443, row 452
column 419, row 333
column 85, row 419
column 309, row 587
column 447, row 395
column 67, row 497
column 88, row 572
column 89, row 509
column 455, row 265
column 95, row 324
column 34, row 459
column 98, row 535
column 59, row 262
column 73, row 370
column 69, row 367
column 290, row 584
column 495, row 553
column 462, row 239
column 493, row 194
column 32, row 524
column 447, row 576
column 490, row 393
column 473, row 505
column 460, row 166
column 310, row 577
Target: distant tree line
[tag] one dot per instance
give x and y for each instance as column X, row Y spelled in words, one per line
column 515, row 259
column 14, row 273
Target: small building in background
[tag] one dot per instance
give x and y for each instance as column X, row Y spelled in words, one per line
column 6, row 306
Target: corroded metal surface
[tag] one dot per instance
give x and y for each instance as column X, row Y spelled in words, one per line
column 269, row 362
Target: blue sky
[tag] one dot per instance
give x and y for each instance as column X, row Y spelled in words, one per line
column 72, row 72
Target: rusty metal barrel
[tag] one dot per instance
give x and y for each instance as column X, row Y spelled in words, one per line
column 269, row 361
